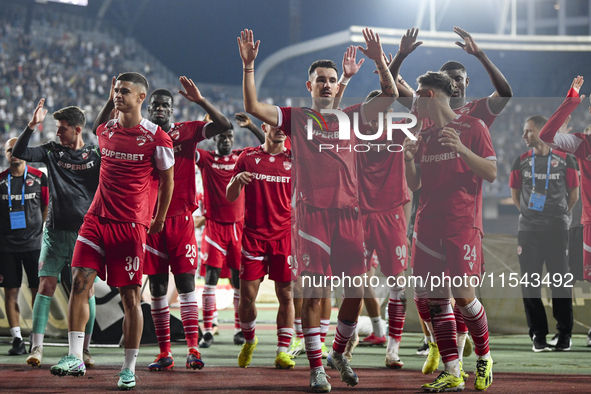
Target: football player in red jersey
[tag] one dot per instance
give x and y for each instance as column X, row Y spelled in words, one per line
column 327, row 213
column 487, row 109
column 456, row 154
column 222, row 235
column 264, row 173
column 176, row 246
column 111, row 241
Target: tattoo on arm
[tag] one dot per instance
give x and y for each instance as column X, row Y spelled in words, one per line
column 386, row 81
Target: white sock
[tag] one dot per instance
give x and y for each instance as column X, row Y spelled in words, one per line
column 427, row 339
column 87, row 338
column 248, row 326
column 431, row 331
column 76, row 342
column 453, row 367
column 462, row 336
column 214, row 320
column 16, row 332
column 378, row 327
column 392, row 345
column 485, row 357
column 130, row 359
column 281, row 349
column 37, row 340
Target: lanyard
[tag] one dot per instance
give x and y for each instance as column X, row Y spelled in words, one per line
column 533, row 170
column 10, row 191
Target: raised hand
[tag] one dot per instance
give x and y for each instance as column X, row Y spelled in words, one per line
column 191, row 92
column 577, row 83
column 38, row 115
column 112, row 93
column 248, row 48
column 242, row 119
column 409, row 43
column 374, row 47
column 469, row 45
column 449, row 137
column 411, row 147
column 350, row 65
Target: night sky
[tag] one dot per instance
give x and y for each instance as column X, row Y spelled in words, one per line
column 198, row 38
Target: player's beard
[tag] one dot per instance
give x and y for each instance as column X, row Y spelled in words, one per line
column 456, row 102
column 323, row 102
column 160, row 121
column 224, row 151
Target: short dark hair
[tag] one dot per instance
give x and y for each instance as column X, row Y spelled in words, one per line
column 162, row 92
column 453, row 65
column 538, row 120
column 376, row 93
column 73, row 116
column 322, row 63
column 134, row 77
column 437, row 80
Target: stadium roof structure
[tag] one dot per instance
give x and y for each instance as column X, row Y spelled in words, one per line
column 430, row 38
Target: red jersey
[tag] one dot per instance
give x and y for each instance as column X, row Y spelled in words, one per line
column 185, row 137
column 476, row 109
column 267, row 197
column 327, row 178
column 128, row 158
column 216, row 172
column 382, row 185
column 578, row 144
column 451, row 196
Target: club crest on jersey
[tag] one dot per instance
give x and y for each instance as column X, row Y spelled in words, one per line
column 226, row 158
column 141, row 140
column 234, row 157
column 271, row 159
column 29, row 182
column 205, row 256
column 257, row 160
column 519, row 250
column 175, row 134
column 306, row 259
column 554, row 163
column 287, row 165
column 84, row 155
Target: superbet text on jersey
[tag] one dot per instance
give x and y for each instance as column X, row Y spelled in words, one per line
column 451, row 195
column 216, row 172
column 124, row 191
column 267, row 197
column 326, row 179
